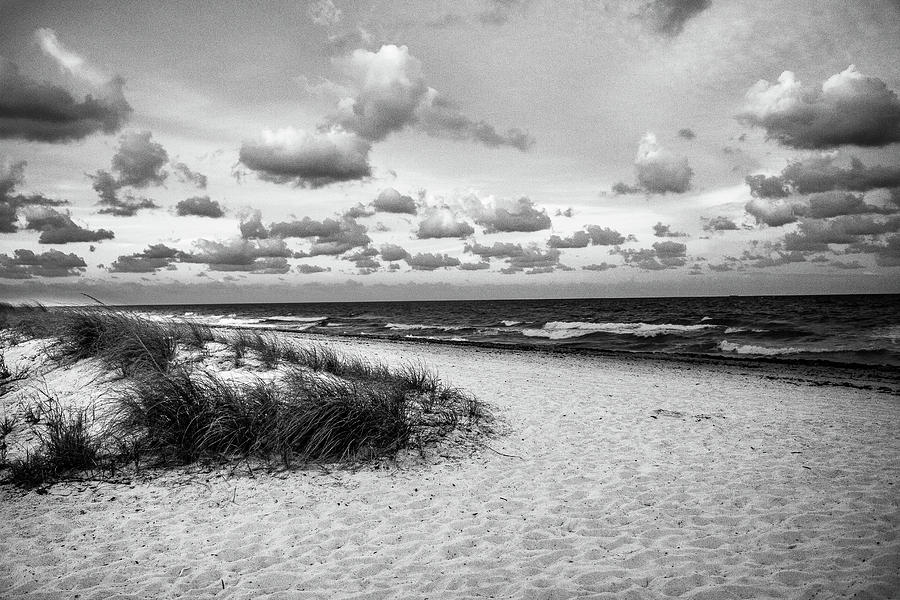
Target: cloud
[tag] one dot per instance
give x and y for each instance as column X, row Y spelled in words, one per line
column 391, row 201
column 359, row 210
column 139, row 161
column 154, row 258
column 622, row 189
column 308, row 269
column 579, row 239
column 498, row 250
column 8, row 217
column 479, row 266
column 305, row 228
column 687, row 134
column 720, row 223
column 392, row 252
column 72, row 233
column 850, row 109
column 41, row 218
column 12, row 175
column 185, row 175
column 604, row 266
column 276, row 265
column 68, row 60
column 47, row 113
column 833, row 204
column 128, row 206
column 659, row 171
column 391, row 94
column 430, row 262
column 663, row 255
column 821, row 174
column 325, row 13
column 604, row 236
column 251, row 225
column 889, row 254
column 311, row 160
column 236, row 252
column 53, row 263
column 519, row 215
column 499, row 12
column 660, row 230
column 668, row 17
column 350, row 235
column 773, row 213
column 442, row 223
column 200, row 206
column 533, row 257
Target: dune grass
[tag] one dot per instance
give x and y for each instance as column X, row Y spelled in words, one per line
column 319, row 405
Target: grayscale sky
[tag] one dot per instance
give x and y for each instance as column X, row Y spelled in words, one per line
column 335, row 150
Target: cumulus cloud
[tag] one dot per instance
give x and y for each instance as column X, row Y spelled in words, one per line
column 41, row 218
column 773, row 213
column 251, row 224
column 498, row 250
column 305, row 228
column 139, row 161
column 200, row 206
column 442, row 223
column 533, row 257
column 720, row 223
column 391, row 201
column 25, row 264
column 663, row 255
column 621, row 189
column 8, row 217
column 128, row 206
column 73, row 233
column 154, row 258
column 186, row 175
column 821, row 174
column 815, row 235
column 579, row 239
column 519, row 215
column 660, row 230
column 392, row 252
column 311, row 160
column 235, row 252
column 349, row 235
column 658, row 170
column 687, row 134
column 850, row 109
column 358, row 211
column 604, row 236
column 823, row 205
column 668, row 17
column 833, row 204
column 430, row 262
column 479, row 266
column 275, row 265
column 889, row 254
column 604, row 266
column 42, row 112
column 309, row 269
column 12, row 175
column 391, row 93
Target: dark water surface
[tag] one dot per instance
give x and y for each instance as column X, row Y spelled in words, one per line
column 858, row 330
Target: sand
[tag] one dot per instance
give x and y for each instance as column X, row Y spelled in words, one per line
column 607, row 478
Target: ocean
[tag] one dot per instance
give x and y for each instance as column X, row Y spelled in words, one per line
column 851, row 330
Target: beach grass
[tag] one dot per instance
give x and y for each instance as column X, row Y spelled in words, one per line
column 315, row 404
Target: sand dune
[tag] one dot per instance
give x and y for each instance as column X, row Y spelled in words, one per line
column 607, row 478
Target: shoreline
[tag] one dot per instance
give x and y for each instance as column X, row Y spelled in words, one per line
column 609, row 476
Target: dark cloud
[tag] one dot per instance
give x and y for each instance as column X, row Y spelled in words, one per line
column 200, row 206
column 186, row 175
column 533, row 257
column 479, row 266
column 350, row 235
column 392, row 252
column 850, row 109
column 8, row 217
column 358, row 211
column 311, row 160
column 309, row 269
column 275, row 265
column 604, row 236
column 139, row 161
column 569, row 212
column 659, row 171
column 687, row 134
column 305, row 228
column 663, row 255
column 53, row 263
column 889, row 254
column 579, row 239
column 391, row 201
column 498, row 250
column 720, row 223
column 660, row 230
column 522, row 215
column 833, row 204
column 604, row 266
column 42, row 112
column 622, row 188
column 821, row 174
column 773, row 213
column 42, row 218
column 236, row 252
column 430, row 262
column 128, row 206
column 822, row 205
column 12, row 175
column 443, row 223
column 441, row 118
column 58, row 228
column 668, row 17
column 154, row 258
column 251, row 225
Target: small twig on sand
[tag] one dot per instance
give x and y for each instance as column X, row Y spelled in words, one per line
column 502, row 454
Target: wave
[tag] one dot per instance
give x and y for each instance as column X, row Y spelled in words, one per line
column 559, row 330
column 415, row 326
column 511, row 323
column 731, row 330
column 295, row 319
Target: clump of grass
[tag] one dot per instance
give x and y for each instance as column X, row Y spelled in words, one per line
column 194, row 334
column 119, row 339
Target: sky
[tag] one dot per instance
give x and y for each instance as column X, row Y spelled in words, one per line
column 328, row 150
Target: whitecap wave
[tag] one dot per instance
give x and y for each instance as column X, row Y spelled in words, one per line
column 560, row 330
column 731, row 330
column 511, row 323
column 287, row 319
column 726, row 346
column 415, row 326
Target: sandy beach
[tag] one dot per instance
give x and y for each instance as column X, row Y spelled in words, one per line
column 606, row 477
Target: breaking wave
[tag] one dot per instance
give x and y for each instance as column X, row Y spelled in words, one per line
column 559, row 330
